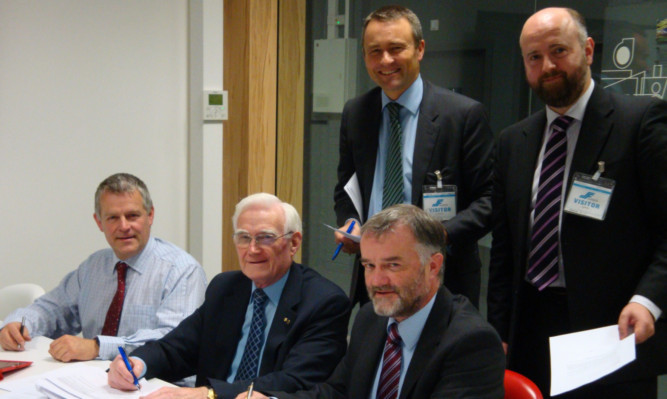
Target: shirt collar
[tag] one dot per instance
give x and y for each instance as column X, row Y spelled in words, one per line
column 411, row 98
column 140, row 261
column 577, row 110
column 411, row 328
column 275, row 290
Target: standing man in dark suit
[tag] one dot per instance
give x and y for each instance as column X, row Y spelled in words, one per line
column 433, row 130
column 559, row 264
column 275, row 323
column 416, row 340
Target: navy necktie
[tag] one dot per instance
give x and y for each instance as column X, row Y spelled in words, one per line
column 543, row 257
column 249, row 362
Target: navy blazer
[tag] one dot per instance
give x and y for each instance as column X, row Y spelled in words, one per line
column 458, row 355
column 453, row 136
column 306, row 340
column 606, row 262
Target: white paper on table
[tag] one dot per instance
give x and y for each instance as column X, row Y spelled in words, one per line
column 348, row 235
column 583, row 357
column 79, row 381
column 354, row 192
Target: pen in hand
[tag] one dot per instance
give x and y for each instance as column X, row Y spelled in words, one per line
column 129, row 366
column 252, row 385
column 22, row 328
column 340, row 245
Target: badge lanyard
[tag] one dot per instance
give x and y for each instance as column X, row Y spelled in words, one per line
column 590, row 195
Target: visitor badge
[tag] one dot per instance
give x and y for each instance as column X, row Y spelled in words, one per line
column 590, row 195
column 439, row 201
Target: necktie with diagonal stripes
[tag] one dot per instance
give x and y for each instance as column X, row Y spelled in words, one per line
column 392, row 192
column 391, row 365
column 249, row 362
column 543, row 257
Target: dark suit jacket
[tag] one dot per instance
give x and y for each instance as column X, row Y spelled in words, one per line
column 453, row 136
column 306, row 340
column 605, row 262
column 458, row 355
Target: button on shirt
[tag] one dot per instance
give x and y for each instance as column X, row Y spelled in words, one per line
column 410, row 330
column 274, row 291
column 164, row 284
column 410, row 101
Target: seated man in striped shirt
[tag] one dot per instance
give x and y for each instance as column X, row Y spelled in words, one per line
column 134, row 292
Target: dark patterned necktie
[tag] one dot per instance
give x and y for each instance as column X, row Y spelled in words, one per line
column 112, row 320
column 249, row 362
column 543, row 257
column 392, row 192
column 391, row 365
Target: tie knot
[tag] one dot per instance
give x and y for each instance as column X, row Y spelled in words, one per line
column 259, row 298
column 393, row 336
column 393, row 108
column 561, row 123
column 121, row 268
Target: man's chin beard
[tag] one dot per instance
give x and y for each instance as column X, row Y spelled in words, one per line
column 565, row 93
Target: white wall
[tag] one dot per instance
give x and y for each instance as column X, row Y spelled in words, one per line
column 88, row 88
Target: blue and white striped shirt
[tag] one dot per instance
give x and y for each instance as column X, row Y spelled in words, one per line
column 164, row 285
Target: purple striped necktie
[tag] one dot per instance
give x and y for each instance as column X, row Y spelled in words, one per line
column 543, row 257
column 391, row 365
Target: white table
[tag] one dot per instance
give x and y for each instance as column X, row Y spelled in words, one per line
column 37, row 351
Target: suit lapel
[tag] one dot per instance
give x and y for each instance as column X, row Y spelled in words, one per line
column 231, row 317
column 595, row 129
column 282, row 321
column 363, row 372
column 424, row 141
column 366, row 151
column 433, row 331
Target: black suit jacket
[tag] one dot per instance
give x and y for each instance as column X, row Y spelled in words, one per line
column 453, row 136
column 306, row 340
column 458, row 355
column 606, row 262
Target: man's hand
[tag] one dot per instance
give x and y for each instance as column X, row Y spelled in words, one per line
column 11, row 338
column 349, row 246
column 178, row 393
column 255, row 395
column 69, row 347
column 636, row 318
column 119, row 377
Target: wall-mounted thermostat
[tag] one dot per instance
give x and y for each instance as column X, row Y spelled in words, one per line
column 215, row 105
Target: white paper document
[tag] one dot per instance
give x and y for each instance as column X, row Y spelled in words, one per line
column 348, row 235
column 583, row 357
column 354, row 192
column 76, row 381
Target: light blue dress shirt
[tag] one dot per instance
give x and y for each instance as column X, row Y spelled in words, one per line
column 164, row 285
column 410, row 330
column 409, row 114
column 274, row 291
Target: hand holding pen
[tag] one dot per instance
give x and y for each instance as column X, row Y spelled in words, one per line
column 129, row 366
column 342, row 240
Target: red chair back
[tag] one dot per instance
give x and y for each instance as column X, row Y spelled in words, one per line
column 519, row 387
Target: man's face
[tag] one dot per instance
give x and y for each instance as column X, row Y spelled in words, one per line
column 556, row 63
column 391, row 57
column 124, row 222
column 397, row 282
column 265, row 264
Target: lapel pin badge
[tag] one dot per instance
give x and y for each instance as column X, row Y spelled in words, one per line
column 286, row 320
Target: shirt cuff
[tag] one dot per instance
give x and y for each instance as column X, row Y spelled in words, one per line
column 143, row 370
column 648, row 304
column 109, row 346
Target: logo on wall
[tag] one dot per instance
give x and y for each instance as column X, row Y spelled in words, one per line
column 632, row 72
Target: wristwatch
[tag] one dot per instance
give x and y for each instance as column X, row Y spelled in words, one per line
column 211, row 394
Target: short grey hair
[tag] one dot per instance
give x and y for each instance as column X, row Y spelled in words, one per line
column 122, row 183
column 392, row 13
column 581, row 25
column 428, row 232
column 292, row 218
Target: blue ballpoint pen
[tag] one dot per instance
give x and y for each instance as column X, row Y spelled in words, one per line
column 129, row 366
column 338, row 248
